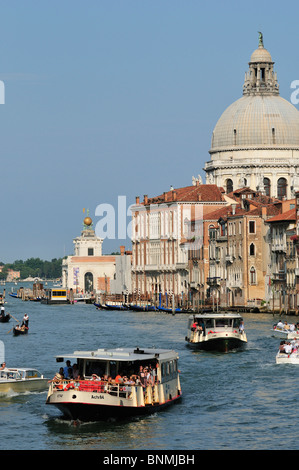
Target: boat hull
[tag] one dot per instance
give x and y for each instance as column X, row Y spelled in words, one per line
column 5, row 318
column 86, row 412
column 218, row 343
column 21, row 386
column 17, row 332
column 285, row 334
column 287, row 358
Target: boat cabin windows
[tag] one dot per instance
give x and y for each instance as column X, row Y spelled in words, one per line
column 114, row 368
column 15, row 375
column 216, row 322
column 87, row 368
column 31, row 374
column 169, row 369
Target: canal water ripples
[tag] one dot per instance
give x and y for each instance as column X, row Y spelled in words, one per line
column 238, row 400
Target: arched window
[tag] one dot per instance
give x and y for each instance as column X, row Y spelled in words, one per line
column 281, row 188
column 252, row 275
column 252, row 249
column 88, row 282
column 267, row 186
column 229, row 186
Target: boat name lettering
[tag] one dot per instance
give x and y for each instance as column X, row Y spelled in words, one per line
column 101, row 397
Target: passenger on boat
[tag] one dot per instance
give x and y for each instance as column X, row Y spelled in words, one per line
column 286, row 325
column 75, row 372
column 288, row 348
column 3, row 366
column 66, row 368
column 279, row 324
column 57, row 380
column 118, row 379
column 281, row 346
column 95, row 377
column 241, row 327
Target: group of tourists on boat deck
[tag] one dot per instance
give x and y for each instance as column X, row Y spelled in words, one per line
column 289, row 347
column 146, row 375
column 287, row 326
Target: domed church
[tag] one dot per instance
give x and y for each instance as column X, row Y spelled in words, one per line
column 255, row 143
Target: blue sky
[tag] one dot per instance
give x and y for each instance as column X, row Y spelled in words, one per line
column 116, row 98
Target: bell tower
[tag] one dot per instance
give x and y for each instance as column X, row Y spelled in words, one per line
column 88, row 244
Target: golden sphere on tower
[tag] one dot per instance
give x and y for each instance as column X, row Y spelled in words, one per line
column 87, row 221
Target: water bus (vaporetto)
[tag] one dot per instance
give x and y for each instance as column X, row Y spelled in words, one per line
column 216, row 331
column 119, row 383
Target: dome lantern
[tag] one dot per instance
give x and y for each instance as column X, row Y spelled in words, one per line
column 261, row 79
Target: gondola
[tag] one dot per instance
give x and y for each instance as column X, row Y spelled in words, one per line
column 142, row 308
column 116, row 307
column 17, row 331
column 110, row 307
column 4, row 318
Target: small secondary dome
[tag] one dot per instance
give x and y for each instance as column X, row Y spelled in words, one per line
column 261, row 55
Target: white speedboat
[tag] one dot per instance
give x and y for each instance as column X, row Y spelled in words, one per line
column 123, row 390
column 285, row 331
column 22, row 380
column 283, row 358
column 216, row 331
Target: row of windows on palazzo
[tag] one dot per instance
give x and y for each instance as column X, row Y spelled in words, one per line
column 281, row 187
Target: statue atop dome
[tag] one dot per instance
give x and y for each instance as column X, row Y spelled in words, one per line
column 261, row 41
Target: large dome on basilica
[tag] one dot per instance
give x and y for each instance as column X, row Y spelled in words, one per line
column 257, row 120
column 256, row 140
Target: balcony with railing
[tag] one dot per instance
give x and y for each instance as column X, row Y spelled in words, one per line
column 280, row 276
column 213, row 281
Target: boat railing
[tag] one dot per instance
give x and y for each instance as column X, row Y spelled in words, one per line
column 98, row 386
column 145, row 394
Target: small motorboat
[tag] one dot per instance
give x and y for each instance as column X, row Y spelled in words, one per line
column 22, row 380
column 285, row 330
column 288, row 352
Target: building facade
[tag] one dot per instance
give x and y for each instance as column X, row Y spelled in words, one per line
column 89, row 271
column 161, row 230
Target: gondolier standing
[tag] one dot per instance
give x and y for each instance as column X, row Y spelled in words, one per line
column 25, row 321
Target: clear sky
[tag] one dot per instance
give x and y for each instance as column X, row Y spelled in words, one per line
column 108, row 98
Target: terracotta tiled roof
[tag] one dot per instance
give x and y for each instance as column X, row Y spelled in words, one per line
column 222, row 212
column 285, row 216
column 202, row 192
